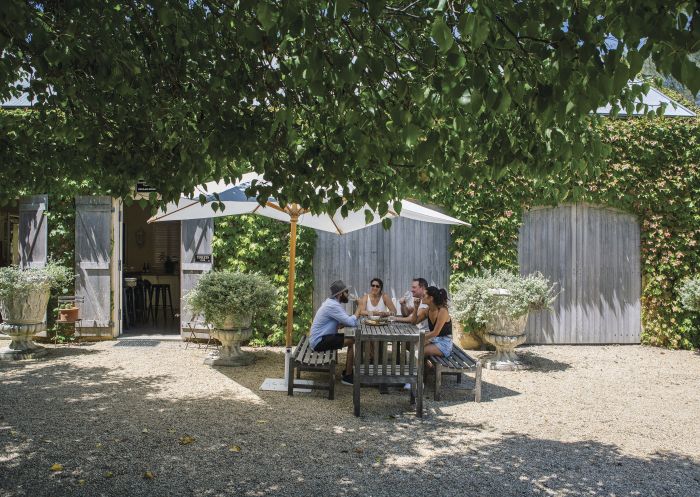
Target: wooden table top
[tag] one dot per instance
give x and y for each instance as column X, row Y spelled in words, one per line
column 386, row 331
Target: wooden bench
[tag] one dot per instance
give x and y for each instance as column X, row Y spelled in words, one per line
column 305, row 359
column 457, row 363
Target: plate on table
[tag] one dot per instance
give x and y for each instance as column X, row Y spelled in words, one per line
column 376, row 322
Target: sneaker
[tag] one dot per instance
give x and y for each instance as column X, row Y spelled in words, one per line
column 346, row 379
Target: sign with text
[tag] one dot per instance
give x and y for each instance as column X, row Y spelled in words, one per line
column 143, row 187
column 202, row 258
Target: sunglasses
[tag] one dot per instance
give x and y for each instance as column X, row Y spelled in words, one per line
column 374, row 285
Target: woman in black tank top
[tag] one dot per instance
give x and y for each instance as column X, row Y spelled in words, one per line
column 439, row 339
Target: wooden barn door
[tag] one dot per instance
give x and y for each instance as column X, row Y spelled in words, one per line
column 196, row 259
column 593, row 253
column 33, row 231
column 93, row 254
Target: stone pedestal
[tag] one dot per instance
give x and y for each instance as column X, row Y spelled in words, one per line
column 230, row 353
column 505, row 333
column 22, row 346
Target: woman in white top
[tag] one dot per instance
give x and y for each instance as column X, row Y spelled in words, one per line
column 376, row 302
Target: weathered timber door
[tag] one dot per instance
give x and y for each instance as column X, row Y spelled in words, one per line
column 196, row 258
column 593, row 253
column 93, row 253
column 409, row 249
column 33, row 231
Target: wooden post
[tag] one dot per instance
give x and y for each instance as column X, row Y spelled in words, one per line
column 294, row 217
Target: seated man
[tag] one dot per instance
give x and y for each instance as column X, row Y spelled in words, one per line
column 412, row 309
column 329, row 318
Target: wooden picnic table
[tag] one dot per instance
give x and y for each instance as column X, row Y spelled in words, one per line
column 375, row 365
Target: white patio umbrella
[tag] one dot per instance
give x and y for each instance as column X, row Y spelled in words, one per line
column 236, row 201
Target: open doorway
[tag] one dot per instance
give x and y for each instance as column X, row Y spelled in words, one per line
column 9, row 236
column 151, row 274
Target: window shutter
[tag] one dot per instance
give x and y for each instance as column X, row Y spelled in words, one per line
column 93, row 247
column 33, row 232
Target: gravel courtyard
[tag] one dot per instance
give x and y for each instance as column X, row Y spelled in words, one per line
column 115, row 419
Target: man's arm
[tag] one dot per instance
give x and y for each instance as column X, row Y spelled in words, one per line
column 339, row 314
column 405, row 310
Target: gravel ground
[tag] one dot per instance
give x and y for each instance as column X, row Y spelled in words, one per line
column 153, row 420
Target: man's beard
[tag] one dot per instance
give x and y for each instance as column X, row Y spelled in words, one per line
column 343, row 299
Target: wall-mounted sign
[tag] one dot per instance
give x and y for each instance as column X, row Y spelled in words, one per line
column 143, row 187
column 202, row 258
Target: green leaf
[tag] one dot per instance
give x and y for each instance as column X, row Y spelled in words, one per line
column 481, row 32
column 442, row 35
column 341, row 7
column 265, row 15
column 166, row 16
column 411, row 134
column 369, row 216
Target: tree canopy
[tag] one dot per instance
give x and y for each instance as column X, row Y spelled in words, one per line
column 391, row 96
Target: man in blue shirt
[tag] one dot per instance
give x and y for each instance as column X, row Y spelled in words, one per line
column 330, row 317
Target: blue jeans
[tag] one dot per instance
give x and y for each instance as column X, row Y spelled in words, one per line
column 444, row 344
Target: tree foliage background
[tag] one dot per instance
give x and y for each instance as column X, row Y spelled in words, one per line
column 391, row 95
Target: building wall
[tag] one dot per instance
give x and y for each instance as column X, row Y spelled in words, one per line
column 407, row 250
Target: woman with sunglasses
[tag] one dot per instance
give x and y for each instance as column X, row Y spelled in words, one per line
column 376, row 302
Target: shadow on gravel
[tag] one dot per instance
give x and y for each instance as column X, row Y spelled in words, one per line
column 107, row 430
column 542, row 364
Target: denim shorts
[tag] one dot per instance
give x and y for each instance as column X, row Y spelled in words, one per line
column 444, row 344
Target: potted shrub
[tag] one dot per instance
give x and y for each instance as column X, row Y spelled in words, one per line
column 689, row 293
column 229, row 301
column 496, row 305
column 24, row 295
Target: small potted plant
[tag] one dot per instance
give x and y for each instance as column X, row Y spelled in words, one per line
column 229, row 301
column 24, row 296
column 67, row 312
column 689, row 293
column 496, row 305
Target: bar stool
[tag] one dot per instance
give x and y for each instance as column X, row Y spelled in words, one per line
column 162, row 299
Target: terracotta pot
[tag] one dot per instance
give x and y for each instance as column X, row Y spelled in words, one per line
column 467, row 339
column 68, row 315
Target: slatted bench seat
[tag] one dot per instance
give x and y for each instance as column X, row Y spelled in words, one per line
column 305, row 359
column 457, row 363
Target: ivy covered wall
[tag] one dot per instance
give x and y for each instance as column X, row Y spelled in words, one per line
column 259, row 244
column 653, row 171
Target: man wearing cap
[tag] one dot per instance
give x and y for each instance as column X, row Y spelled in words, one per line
column 329, row 318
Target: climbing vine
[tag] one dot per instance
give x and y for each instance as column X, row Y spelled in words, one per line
column 258, row 244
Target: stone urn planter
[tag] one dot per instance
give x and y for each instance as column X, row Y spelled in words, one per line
column 228, row 301
column 234, row 331
column 24, row 317
column 505, row 333
column 496, row 305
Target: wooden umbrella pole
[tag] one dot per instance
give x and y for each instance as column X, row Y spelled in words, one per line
column 294, row 217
